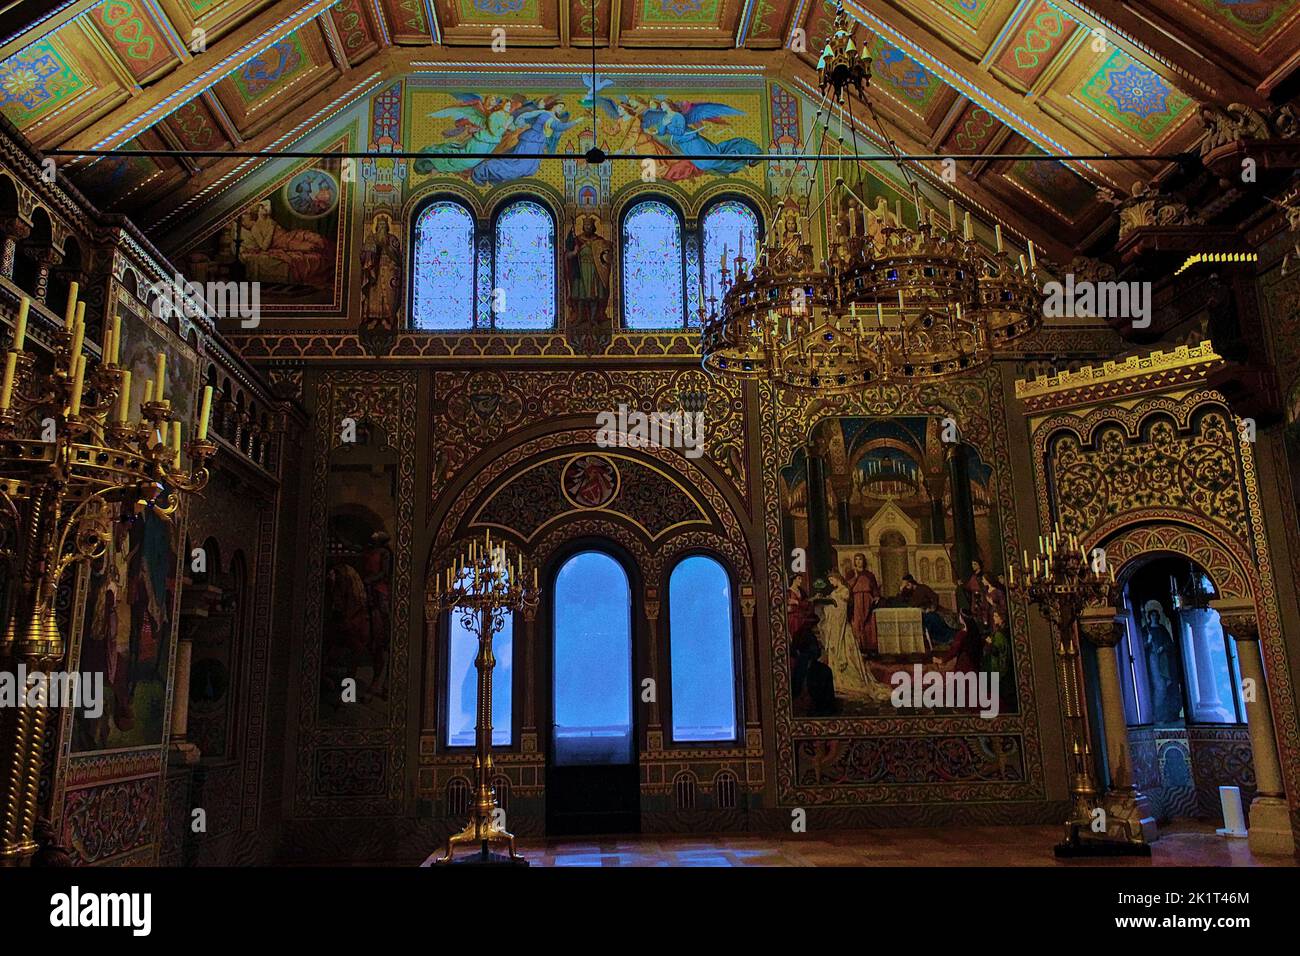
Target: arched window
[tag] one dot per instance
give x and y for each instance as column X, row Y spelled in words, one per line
column 462, row 682
column 443, row 269
column 592, row 697
column 701, row 650
column 653, row 293
column 525, row 267
column 731, row 228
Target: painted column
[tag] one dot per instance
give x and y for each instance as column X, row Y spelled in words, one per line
column 182, row 750
column 45, row 257
column 1127, row 810
column 654, row 738
column 963, row 512
column 1270, row 817
column 820, row 558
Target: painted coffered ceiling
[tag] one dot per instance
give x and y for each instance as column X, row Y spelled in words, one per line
column 952, row 77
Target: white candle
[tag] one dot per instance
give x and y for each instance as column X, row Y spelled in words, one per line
column 70, row 313
column 78, row 384
column 124, row 399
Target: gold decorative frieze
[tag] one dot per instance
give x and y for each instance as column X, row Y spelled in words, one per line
column 1135, row 375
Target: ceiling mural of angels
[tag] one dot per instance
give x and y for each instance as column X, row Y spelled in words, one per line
column 648, row 123
column 506, row 129
column 496, row 136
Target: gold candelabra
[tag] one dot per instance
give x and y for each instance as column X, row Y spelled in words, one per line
column 73, row 459
column 481, row 587
column 1062, row 580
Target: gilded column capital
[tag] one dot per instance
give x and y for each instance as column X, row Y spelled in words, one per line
column 1101, row 625
column 748, row 603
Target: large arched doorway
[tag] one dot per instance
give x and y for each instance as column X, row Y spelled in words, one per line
column 592, row 777
column 1181, row 684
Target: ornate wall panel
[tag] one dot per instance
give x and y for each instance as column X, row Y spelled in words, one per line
column 357, row 770
column 1172, row 473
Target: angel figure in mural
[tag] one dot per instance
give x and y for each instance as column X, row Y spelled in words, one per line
column 669, row 128
column 509, row 128
column 381, row 276
column 853, row 677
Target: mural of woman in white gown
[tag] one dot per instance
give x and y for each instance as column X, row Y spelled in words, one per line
column 852, row 676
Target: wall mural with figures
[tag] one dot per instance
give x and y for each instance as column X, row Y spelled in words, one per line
column 903, row 548
column 888, row 528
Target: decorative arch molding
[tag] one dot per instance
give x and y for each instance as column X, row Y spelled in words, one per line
column 511, row 457
column 483, row 413
column 1137, row 541
column 551, row 471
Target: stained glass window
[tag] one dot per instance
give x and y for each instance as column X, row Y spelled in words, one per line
column 443, row 287
column 593, row 661
column 524, row 291
column 730, row 227
column 652, row 267
column 693, row 297
column 701, row 651
column 483, row 313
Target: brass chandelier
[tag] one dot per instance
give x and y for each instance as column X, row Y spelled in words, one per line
column 889, row 305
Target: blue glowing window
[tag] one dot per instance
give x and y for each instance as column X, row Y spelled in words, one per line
column 524, row 293
column 702, row 651
column 443, row 288
column 593, row 662
column 652, row 267
column 462, row 683
column 730, row 229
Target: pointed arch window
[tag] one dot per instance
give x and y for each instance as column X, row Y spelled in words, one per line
column 443, row 275
column 653, row 273
column 701, row 651
column 524, row 280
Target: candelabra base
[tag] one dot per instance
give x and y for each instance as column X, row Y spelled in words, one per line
column 481, row 834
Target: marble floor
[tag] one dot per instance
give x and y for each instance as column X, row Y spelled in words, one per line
column 1180, row 845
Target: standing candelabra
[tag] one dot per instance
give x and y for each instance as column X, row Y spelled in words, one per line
column 1063, row 580
column 73, row 459
column 481, row 587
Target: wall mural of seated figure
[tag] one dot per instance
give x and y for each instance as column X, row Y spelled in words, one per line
column 895, row 536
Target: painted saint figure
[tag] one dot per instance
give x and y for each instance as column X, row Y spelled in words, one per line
column 381, row 276
column 588, row 255
column 866, row 595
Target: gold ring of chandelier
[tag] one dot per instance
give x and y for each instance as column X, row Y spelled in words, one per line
column 890, row 304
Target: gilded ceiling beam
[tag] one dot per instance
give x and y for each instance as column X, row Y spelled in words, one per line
column 43, row 28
